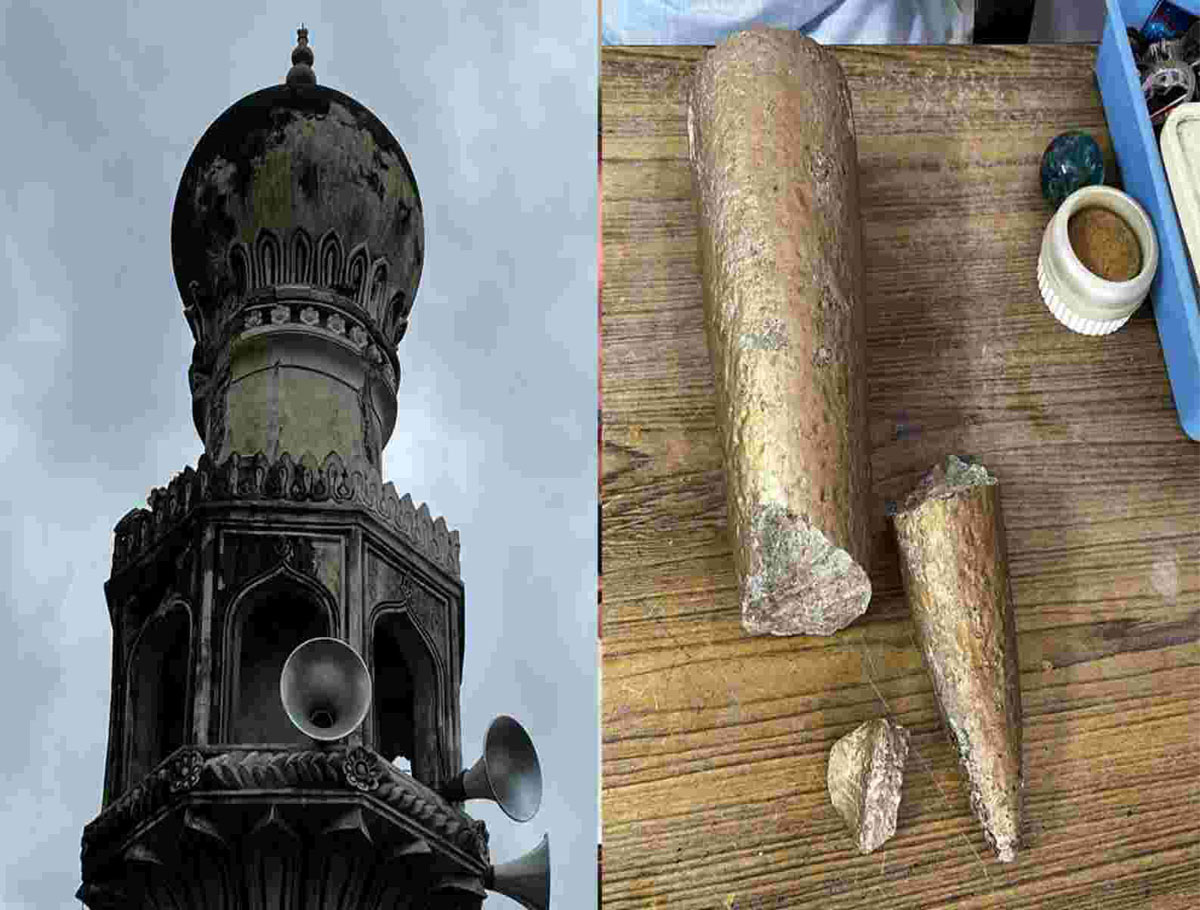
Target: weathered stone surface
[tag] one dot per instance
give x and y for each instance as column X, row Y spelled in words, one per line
column 955, row 566
column 298, row 184
column 297, row 240
column 866, row 772
column 773, row 154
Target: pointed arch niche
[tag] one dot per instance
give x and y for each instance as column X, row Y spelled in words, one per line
column 156, row 713
column 407, row 694
column 267, row 622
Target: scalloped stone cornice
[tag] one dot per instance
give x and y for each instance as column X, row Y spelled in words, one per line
column 255, row 478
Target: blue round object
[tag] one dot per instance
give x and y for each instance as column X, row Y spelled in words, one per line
column 1071, row 161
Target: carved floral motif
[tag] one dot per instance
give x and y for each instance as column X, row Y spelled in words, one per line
column 185, row 770
column 362, row 769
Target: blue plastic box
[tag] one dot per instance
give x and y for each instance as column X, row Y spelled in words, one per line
column 1173, row 292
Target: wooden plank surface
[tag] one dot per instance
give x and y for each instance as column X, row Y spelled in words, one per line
column 715, row 743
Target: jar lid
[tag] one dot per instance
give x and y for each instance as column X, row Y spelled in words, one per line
column 1078, row 294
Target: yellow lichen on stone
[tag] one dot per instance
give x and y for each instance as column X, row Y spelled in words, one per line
column 271, row 194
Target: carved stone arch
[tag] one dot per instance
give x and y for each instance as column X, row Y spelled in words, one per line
column 329, row 260
column 408, row 691
column 269, row 256
column 240, row 269
column 158, row 686
column 272, row 614
column 356, row 273
column 377, row 293
column 302, row 257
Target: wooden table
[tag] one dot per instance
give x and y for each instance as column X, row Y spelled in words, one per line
column 715, row 742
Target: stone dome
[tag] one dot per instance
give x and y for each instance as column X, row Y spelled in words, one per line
column 297, row 184
column 297, row 240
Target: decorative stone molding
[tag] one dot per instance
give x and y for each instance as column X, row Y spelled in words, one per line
column 240, row 478
column 320, row 314
column 294, row 308
column 228, row 769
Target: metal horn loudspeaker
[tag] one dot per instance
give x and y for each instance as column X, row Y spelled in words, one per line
column 525, row 879
column 325, row 688
column 508, row 772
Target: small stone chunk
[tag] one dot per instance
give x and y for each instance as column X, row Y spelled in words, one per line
column 866, row 771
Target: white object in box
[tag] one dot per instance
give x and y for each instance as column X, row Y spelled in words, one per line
column 1180, row 142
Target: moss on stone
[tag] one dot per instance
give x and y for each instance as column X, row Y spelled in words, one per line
column 272, row 191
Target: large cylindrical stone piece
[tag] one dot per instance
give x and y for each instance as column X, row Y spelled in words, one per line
column 955, row 566
column 771, row 140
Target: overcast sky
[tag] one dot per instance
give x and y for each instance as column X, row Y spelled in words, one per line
column 496, row 111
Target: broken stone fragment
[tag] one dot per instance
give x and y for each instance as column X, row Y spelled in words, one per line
column 866, row 772
column 771, row 139
column 954, row 562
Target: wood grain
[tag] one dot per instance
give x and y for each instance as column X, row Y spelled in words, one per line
column 715, row 743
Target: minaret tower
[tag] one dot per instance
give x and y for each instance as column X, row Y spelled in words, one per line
column 297, row 242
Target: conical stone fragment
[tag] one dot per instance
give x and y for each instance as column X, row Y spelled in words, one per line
column 771, row 139
column 955, row 566
column 866, row 772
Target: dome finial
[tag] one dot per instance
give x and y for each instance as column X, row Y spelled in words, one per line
column 301, row 72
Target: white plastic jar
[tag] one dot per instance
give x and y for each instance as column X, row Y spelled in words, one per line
column 1079, row 299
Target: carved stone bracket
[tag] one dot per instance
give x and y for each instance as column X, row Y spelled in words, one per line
column 255, row 478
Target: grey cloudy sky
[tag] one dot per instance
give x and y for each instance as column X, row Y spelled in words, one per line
column 495, row 106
